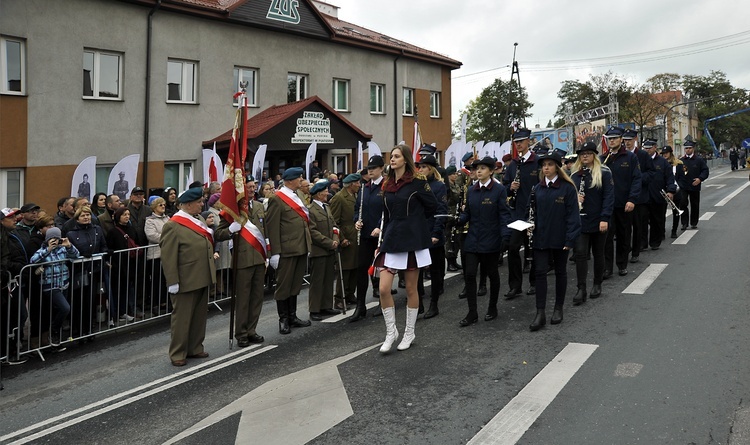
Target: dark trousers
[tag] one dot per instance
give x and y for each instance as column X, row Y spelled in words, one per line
column 560, row 258
column 515, row 265
column 640, row 228
column 675, row 214
column 366, row 254
column 488, row 262
column 657, row 221
column 693, row 213
column 595, row 242
column 437, row 273
column 622, row 223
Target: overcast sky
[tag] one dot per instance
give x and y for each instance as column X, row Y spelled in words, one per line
column 481, row 33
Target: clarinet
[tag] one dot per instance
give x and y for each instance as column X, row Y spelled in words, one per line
column 511, row 200
column 532, row 206
column 582, row 189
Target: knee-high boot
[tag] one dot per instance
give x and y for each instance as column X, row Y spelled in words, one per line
column 391, row 333
column 409, row 336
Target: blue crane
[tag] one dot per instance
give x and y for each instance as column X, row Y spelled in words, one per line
column 711, row 119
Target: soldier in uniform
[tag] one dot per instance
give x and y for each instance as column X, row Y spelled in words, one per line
column 663, row 179
column 250, row 249
column 519, row 178
column 187, row 258
column 694, row 173
column 640, row 213
column 626, row 174
column 368, row 210
column 288, row 230
column 325, row 241
column 120, row 187
column 342, row 210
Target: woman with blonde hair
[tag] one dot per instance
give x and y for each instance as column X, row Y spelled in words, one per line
column 407, row 203
column 675, row 162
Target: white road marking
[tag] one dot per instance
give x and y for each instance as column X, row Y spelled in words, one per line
column 294, row 408
column 706, row 216
column 733, row 194
column 510, row 424
column 157, row 386
column 685, row 237
column 719, row 186
column 645, row 279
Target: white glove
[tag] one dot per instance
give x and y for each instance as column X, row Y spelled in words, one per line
column 235, row 227
column 275, row 261
column 173, row 289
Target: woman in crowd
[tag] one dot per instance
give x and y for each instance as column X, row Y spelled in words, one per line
column 99, row 204
column 596, row 196
column 266, row 191
column 55, row 278
column 39, row 304
column 152, row 227
column 427, row 167
column 557, row 223
column 122, row 237
column 676, row 163
column 89, row 278
column 408, row 202
column 170, row 201
column 488, row 216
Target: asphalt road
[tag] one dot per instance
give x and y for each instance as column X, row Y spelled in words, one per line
column 672, row 365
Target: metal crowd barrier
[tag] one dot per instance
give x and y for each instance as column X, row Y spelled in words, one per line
column 105, row 293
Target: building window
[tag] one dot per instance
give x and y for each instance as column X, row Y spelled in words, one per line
column 340, row 95
column 178, row 175
column 182, row 82
column 434, row 104
column 102, row 72
column 12, row 66
column 250, row 75
column 296, row 87
column 377, row 98
column 11, row 190
column 408, row 101
column 340, row 163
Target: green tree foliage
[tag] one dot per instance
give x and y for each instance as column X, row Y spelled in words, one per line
column 663, row 82
column 487, row 115
column 582, row 96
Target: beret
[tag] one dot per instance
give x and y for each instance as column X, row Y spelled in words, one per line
column 191, row 194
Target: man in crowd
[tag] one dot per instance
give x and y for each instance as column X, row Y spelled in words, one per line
column 694, row 173
column 105, row 219
column 640, row 213
column 663, row 179
column 342, row 210
column 65, row 211
column 138, row 213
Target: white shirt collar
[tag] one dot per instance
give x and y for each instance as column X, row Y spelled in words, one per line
column 320, row 203
column 551, row 181
column 485, row 184
column 378, row 180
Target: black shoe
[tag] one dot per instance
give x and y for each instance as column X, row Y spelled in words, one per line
column 482, row 291
column 251, row 339
column 401, row 283
column 421, row 306
column 491, row 314
column 393, row 292
column 359, row 314
column 644, row 248
column 462, row 294
column 596, row 291
column 329, row 312
column 452, row 268
column 557, row 315
column 580, row 296
column 468, row 320
column 607, row 274
column 674, row 234
column 684, row 227
column 513, row 293
column 284, row 326
column 634, row 259
column 693, row 227
column 539, row 321
column 297, row 323
column 531, row 291
column 432, row 311
column 622, row 272
column 316, row 316
column 656, row 247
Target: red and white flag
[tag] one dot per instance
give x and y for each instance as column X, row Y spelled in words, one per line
column 605, row 146
column 233, row 201
column 417, row 140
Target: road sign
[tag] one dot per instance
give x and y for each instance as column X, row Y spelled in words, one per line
column 746, row 143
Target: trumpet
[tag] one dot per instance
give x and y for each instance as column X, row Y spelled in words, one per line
column 670, row 202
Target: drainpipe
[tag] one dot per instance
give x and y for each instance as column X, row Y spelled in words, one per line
column 147, row 100
column 395, row 99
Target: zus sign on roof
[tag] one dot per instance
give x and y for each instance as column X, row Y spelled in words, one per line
column 284, row 11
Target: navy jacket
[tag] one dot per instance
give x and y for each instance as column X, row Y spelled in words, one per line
column 626, row 173
column 557, row 222
column 647, row 173
column 488, row 216
column 599, row 202
column 529, row 178
column 408, row 203
column 438, row 224
column 663, row 179
column 372, row 209
column 692, row 168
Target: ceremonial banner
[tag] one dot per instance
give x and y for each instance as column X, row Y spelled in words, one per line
column 453, row 154
column 504, row 149
column 258, row 162
column 124, row 176
column 188, row 180
column 212, row 166
column 232, row 202
column 359, row 156
column 463, row 128
column 417, row 140
column 373, row 149
column 84, row 179
column 309, row 158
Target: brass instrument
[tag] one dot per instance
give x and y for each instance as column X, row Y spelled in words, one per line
column 582, row 189
column 670, row 202
column 511, row 200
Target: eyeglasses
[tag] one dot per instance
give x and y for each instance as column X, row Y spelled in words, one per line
column 162, row 205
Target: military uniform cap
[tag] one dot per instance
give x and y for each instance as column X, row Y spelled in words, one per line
column 588, row 146
column 354, row 177
column 292, row 173
column 465, row 158
column 521, row 134
column 614, row 132
column 428, row 160
column 319, row 187
column 554, row 156
column 629, row 134
column 191, row 194
column 487, row 160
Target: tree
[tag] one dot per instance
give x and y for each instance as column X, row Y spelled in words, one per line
column 488, row 116
column 582, row 96
column 642, row 108
column 549, row 123
column 661, row 83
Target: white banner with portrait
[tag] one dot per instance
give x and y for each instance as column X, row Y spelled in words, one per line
column 83, row 184
column 258, row 161
column 124, row 176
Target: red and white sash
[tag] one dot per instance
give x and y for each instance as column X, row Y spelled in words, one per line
column 252, row 234
column 184, row 219
column 292, row 200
